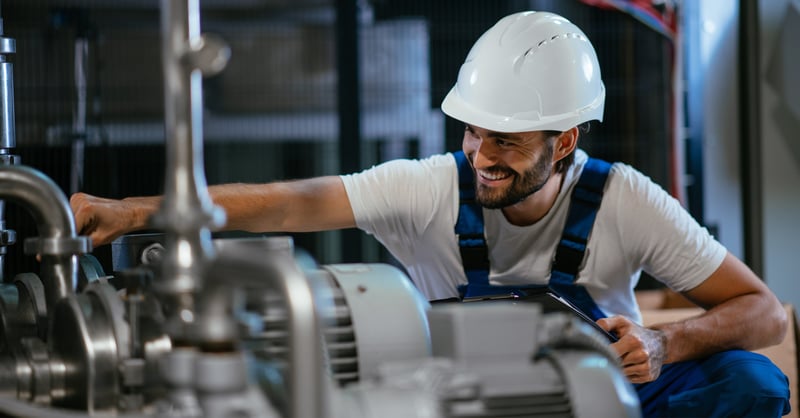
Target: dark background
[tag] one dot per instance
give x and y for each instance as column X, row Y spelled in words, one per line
column 286, row 68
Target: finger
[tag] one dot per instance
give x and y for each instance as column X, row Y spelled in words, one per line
column 605, row 323
column 82, row 221
column 637, row 356
column 641, row 378
column 614, row 323
column 638, row 374
column 85, row 226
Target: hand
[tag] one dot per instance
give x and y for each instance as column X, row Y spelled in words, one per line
column 103, row 220
column 642, row 351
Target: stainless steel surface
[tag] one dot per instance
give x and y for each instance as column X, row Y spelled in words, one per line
column 187, row 213
column 90, row 335
column 7, row 45
column 58, row 242
column 7, row 126
column 31, row 308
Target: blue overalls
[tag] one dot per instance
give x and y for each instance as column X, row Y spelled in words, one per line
column 733, row 383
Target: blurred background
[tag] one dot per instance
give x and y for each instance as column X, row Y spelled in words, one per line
column 701, row 96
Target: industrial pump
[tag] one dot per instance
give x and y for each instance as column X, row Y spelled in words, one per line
column 190, row 326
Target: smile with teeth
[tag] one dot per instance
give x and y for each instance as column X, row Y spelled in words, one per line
column 493, row 175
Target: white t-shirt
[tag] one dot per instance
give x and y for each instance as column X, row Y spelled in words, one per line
column 411, row 206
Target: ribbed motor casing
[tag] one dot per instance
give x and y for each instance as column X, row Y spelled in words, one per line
column 269, row 345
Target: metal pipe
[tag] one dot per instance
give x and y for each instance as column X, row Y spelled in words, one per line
column 8, row 134
column 57, row 242
column 79, row 124
column 187, row 212
column 7, row 125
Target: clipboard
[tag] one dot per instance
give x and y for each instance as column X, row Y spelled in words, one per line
column 550, row 302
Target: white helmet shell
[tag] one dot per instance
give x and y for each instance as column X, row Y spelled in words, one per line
column 531, row 71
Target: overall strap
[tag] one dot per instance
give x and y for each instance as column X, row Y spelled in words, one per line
column 469, row 226
column 586, row 198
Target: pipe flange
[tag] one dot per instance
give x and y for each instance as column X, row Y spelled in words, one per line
column 31, row 289
column 58, row 246
column 10, row 159
column 38, row 387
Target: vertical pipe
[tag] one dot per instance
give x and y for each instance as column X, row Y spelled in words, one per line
column 7, row 130
column 187, row 212
column 349, row 108
column 79, row 119
column 8, row 139
column 750, row 126
column 7, row 126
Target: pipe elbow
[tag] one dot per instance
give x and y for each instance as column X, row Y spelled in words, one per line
column 41, row 196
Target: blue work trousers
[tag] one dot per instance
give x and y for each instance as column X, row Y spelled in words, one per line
column 732, row 383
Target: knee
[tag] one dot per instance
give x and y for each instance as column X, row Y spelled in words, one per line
column 747, row 373
column 750, row 382
column 734, row 383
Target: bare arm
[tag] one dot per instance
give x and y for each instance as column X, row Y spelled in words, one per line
column 305, row 205
column 741, row 313
column 298, row 206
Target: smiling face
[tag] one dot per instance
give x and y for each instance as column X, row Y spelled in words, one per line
column 508, row 167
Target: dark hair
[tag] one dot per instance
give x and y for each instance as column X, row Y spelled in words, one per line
column 563, row 164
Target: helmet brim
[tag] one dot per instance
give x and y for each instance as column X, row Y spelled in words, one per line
column 457, row 108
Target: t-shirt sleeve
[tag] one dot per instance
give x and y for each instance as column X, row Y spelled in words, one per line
column 660, row 235
column 396, row 200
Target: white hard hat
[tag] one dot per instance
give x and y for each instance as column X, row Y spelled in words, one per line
column 531, row 71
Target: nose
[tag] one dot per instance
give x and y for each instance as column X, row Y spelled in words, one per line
column 483, row 153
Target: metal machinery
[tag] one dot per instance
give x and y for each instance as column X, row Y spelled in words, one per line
column 242, row 328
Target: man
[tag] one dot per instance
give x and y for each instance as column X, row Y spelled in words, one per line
column 526, row 87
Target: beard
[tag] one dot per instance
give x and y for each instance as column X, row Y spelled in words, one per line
column 522, row 185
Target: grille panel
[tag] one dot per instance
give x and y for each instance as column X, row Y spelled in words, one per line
column 270, row 345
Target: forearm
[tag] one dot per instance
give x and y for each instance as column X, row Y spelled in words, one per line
column 298, row 206
column 745, row 322
column 251, row 207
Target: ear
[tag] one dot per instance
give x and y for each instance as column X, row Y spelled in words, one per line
column 566, row 142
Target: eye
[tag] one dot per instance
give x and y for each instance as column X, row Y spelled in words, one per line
column 502, row 142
